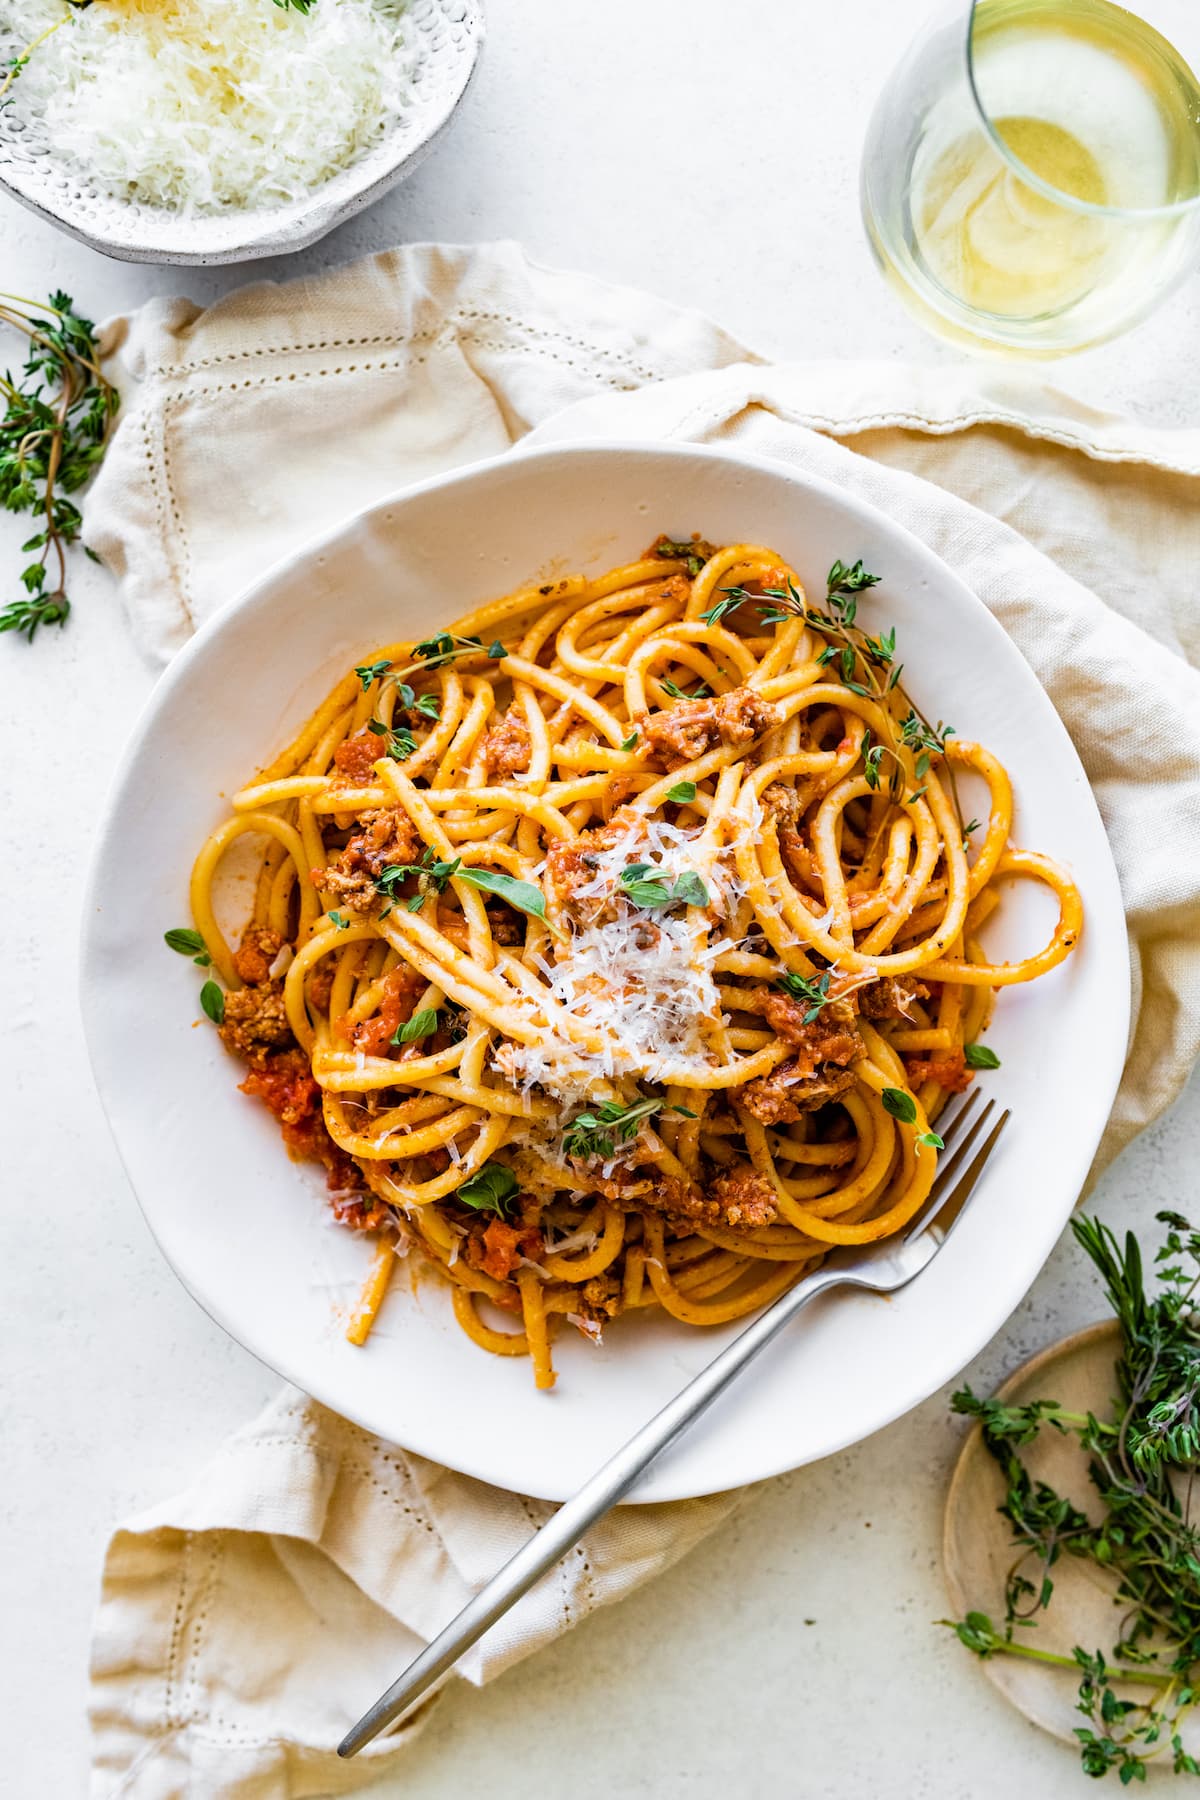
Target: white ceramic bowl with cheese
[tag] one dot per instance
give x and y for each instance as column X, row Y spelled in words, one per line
column 443, row 39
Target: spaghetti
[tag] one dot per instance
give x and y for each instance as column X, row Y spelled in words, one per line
column 619, row 946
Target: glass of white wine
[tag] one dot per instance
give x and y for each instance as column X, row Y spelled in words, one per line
column 1031, row 176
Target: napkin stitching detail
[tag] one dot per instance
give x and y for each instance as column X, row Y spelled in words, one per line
column 176, row 553
column 206, row 1589
column 403, row 359
column 172, row 1717
column 429, row 335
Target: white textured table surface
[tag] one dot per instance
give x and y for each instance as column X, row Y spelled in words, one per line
column 794, row 1653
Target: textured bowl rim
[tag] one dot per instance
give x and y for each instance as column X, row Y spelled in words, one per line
column 310, row 220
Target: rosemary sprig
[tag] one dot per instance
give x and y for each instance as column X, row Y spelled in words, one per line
column 1142, row 1462
column 52, row 437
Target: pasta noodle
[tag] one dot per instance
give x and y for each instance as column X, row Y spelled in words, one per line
column 619, row 946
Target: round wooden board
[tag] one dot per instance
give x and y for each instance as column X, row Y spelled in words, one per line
column 978, row 1548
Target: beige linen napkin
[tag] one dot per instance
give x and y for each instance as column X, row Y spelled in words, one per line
column 242, row 1623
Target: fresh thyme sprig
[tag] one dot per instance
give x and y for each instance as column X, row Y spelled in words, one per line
column 815, row 992
column 399, row 741
column 447, row 645
column 596, row 1134
column 52, row 437
column 864, row 664
column 1143, row 1464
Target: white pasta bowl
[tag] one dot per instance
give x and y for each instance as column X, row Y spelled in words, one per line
column 445, row 37
column 251, row 1233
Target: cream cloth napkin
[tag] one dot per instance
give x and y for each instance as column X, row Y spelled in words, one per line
column 243, row 1623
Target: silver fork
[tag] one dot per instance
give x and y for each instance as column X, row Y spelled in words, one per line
column 882, row 1269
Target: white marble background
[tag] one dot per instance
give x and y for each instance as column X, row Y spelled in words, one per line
column 708, row 152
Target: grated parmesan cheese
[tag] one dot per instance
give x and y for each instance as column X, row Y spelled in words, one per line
column 638, row 979
column 199, row 105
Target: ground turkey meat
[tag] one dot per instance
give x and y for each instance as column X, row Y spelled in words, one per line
column 820, row 1070
column 384, row 838
column 506, row 746
column 782, row 1096
column 783, row 803
column 255, row 1022
column 746, row 1199
column 498, row 1247
column 891, row 997
column 355, row 759
column 320, row 985
column 691, row 728
column 737, row 1200
column 787, row 1016
column 949, row 1070
column 256, row 952
column 571, row 863
column 599, row 1300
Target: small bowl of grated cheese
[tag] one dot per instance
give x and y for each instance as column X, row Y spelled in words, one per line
column 210, row 131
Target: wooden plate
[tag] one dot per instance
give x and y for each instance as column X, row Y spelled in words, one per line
column 978, row 1547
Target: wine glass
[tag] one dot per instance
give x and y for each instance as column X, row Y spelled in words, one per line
column 1031, row 175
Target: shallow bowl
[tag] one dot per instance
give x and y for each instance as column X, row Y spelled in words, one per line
column 250, row 1233
column 447, row 36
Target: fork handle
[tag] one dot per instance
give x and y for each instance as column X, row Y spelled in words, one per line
column 611, row 1482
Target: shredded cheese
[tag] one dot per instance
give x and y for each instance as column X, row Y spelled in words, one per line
column 639, row 979
column 200, row 105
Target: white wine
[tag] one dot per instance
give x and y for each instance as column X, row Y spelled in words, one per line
column 1046, row 198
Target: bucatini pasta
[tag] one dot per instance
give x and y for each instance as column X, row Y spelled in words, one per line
column 618, row 946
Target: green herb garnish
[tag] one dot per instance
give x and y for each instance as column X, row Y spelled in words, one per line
column 595, row 1134
column 677, row 693
column 671, row 550
column 212, row 999
column 431, row 873
column 187, row 942
column 400, row 742
column 445, row 647
column 864, row 665
column 521, row 894
column 368, row 673
column 902, row 1106
column 52, row 438
column 421, row 1025
column 980, row 1056
column 1145, row 1548
column 340, row 920
column 682, row 792
column 686, row 890
column 800, row 987
column 490, row 1189
column 629, row 742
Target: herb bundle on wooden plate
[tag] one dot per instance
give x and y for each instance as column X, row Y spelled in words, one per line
column 1143, row 1545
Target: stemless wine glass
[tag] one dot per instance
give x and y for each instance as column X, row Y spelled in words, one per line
column 1031, row 176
